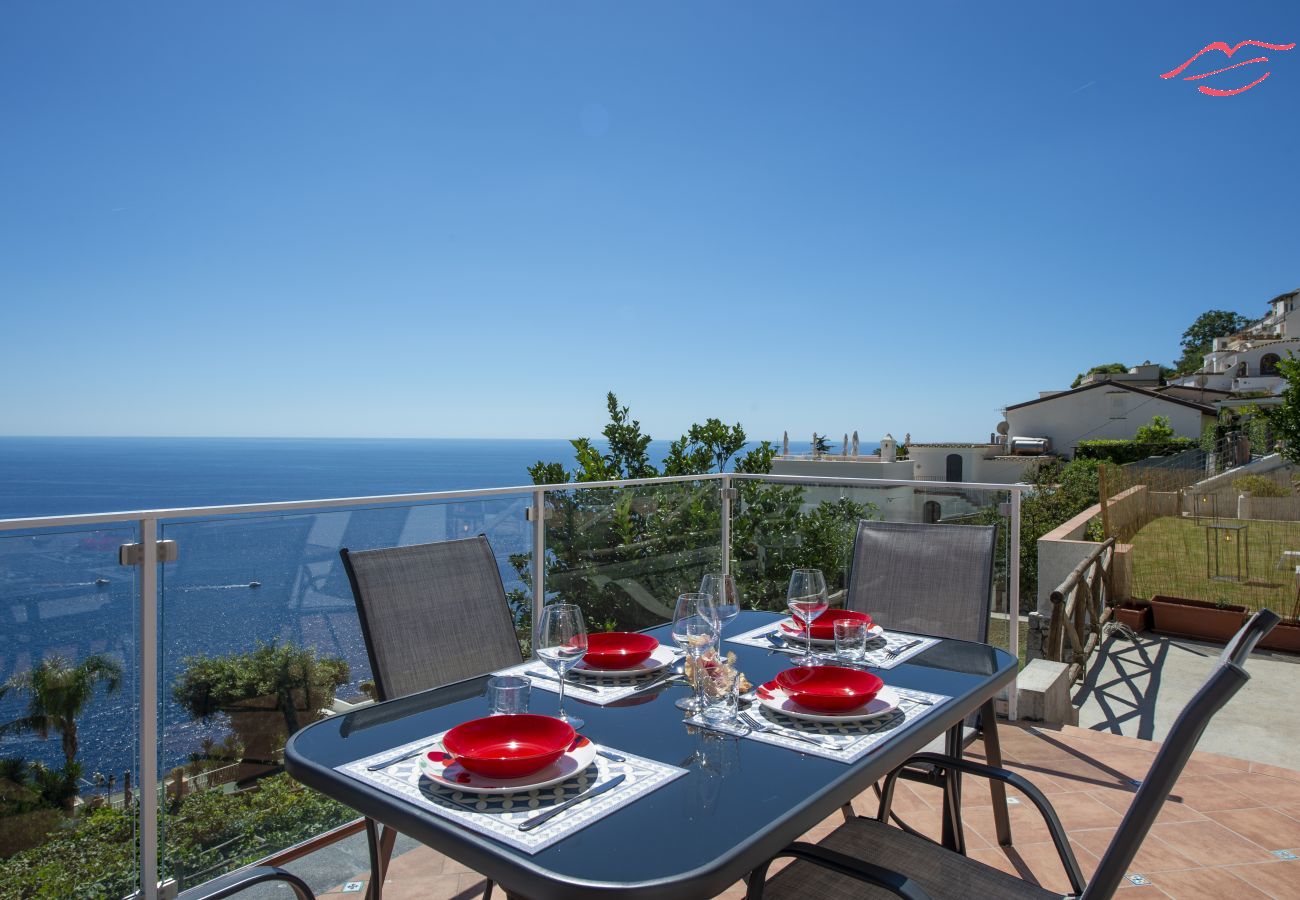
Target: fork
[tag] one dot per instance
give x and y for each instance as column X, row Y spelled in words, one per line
column 893, row 654
column 759, row 725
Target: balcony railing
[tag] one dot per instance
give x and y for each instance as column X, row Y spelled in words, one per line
column 166, row 596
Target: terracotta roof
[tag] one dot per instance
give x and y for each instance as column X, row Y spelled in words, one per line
column 1116, row 385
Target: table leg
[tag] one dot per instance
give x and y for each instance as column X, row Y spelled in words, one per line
column 993, row 756
column 953, row 837
column 380, row 844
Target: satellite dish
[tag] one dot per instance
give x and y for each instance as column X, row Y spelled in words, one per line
column 1003, row 428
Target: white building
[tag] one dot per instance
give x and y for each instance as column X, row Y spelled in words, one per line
column 1246, row 362
column 1103, row 410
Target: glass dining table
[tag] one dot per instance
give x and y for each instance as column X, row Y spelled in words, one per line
column 732, row 803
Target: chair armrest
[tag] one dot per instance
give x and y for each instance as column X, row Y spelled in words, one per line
column 1019, row 782
column 235, row 882
column 894, row 882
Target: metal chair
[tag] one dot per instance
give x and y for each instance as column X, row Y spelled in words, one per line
column 243, row 879
column 936, row 580
column 905, row 865
column 431, row 614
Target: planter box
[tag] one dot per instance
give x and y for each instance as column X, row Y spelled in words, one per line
column 1196, row 618
column 1285, row 636
column 1135, row 615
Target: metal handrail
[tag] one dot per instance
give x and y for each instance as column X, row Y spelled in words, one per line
column 147, row 522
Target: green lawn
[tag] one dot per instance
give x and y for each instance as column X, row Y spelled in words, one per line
column 1169, row 557
column 998, row 636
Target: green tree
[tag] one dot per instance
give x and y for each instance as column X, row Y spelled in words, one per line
column 624, row 553
column 820, row 445
column 1114, row 368
column 57, row 693
column 1200, row 335
column 1157, row 431
column 1285, row 418
column 1060, row 492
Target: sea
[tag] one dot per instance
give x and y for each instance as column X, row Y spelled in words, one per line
column 235, row 580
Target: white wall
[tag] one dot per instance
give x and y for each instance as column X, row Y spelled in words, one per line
column 1099, row 413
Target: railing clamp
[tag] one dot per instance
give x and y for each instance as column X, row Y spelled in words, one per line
column 530, row 513
column 730, row 493
column 133, row 554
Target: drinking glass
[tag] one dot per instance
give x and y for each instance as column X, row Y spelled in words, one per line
column 508, row 694
column 807, row 600
column 695, row 629
column 726, row 599
column 561, row 642
column 851, row 640
column 721, row 694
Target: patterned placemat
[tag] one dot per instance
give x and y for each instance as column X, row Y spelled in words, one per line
column 598, row 689
column 496, row 815
column 878, row 649
column 842, row 741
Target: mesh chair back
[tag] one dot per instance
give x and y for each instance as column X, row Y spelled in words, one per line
column 431, row 614
column 1227, row 678
column 927, row 579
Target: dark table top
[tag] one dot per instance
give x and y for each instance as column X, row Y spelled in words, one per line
column 740, row 802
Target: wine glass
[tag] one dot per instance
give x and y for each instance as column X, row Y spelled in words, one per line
column 807, row 600
column 561, row 642
column 695, row 629
column 726, row 599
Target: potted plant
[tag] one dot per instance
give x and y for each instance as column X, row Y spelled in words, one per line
column 268, row 692
column 1199, row 619
column 1134, row 614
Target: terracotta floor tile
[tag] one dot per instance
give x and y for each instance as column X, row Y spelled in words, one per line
column 1280, row 880
column 1038, row 863
column 435, row 887
column 1172, row 811
column 1082, row 810
column 1210, row 843
column 1206, row 884
column 1267, row 827
column 1153, row 856
column 1264, row 788
column 1205, row 792
column 1275, row 771
column 1218, row 759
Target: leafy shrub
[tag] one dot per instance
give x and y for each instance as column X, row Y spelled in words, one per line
column 295, row 676
column 1120, row 452
column 1260, row 486
column 208, row 833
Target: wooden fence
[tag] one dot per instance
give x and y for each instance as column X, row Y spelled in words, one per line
column 1080, row 607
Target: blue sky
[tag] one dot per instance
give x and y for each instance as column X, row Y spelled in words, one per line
column 434, row 219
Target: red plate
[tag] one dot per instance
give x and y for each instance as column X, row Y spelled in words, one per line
column 508, row 746
column 823, row 627
column 829, row 688
column 618, row 649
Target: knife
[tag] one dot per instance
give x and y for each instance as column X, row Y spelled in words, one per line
column 385, row 763
column 546, row 676
column 574, row 801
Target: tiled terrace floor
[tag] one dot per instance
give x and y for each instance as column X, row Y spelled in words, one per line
column 1217, row 836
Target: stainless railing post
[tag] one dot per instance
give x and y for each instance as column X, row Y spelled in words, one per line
column 148, row 636
column 539, row 554
column 1013, row 580
column 724, row 536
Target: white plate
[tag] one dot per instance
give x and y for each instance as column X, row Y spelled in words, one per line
column 793, row 636
column 882, row 704
column 661, row 657
column 565, row 767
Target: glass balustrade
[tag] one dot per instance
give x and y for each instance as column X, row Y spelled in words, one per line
column 69, row 750
column 257, row 635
